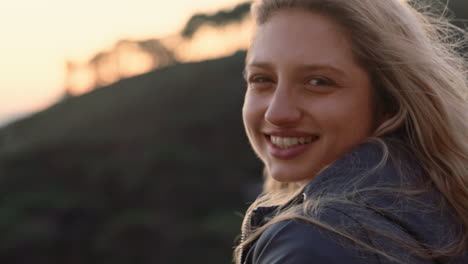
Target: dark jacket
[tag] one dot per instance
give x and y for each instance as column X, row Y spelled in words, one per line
column 412, row 219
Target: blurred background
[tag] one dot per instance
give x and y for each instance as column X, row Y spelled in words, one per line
column 121, row 138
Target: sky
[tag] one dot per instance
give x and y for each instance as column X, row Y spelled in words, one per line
column 38, row 36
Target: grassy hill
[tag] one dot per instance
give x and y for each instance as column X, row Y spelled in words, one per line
column 131, row 173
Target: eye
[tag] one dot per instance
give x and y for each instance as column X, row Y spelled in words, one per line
column 320, row 81
column 318, row 84
column 260, row 82
column 260, row 79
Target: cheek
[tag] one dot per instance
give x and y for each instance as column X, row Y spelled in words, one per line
column 252, row 112
column 247, row 113
column 252, row 115
column 348, row 118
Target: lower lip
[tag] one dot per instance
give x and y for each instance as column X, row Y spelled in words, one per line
column 288, row 153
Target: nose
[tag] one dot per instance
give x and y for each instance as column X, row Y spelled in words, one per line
column 283, row 109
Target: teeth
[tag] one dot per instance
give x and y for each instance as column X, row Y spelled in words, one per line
column 287, row 142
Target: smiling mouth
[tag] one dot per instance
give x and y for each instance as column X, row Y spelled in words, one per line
column 290, row 142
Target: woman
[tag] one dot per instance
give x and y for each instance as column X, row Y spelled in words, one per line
column 358, row 109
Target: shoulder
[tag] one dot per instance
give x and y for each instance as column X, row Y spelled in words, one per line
column 297, row 241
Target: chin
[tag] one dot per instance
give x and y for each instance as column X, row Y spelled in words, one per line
column 290, row 177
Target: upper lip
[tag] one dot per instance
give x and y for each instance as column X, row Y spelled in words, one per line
column 290, row 133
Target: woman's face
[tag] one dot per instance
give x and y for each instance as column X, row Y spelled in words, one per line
column 308, row 101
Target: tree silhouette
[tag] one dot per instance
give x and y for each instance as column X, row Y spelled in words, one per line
column 160, row 55
column 96, row 64
column 220, row 18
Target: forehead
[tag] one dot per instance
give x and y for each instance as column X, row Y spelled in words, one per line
column 299, row 36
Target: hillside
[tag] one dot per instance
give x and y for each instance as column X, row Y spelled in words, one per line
column 131, row 172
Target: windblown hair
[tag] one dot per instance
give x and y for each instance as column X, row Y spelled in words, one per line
column 414, row 58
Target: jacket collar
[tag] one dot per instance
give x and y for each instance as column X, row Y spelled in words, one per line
column 367, row 165
column 333, row 179
column 426, row 216
column 367, row 168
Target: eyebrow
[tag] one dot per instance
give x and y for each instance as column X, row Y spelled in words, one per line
column 303, row 67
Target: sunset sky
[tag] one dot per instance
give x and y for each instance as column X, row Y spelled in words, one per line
column 39, row 36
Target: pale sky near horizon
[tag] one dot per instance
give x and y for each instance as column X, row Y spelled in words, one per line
column 37, row 37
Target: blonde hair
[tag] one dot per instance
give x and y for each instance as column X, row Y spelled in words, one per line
column 419, row 74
